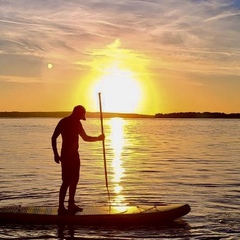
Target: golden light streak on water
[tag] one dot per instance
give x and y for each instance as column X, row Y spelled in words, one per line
column 117, row 143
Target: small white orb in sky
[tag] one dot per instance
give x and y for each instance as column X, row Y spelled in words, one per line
column 50, row 66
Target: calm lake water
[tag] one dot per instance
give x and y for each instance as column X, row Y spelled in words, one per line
column 195, row 161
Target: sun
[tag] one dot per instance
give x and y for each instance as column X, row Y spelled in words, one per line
column 121, row 91
column 122, row 77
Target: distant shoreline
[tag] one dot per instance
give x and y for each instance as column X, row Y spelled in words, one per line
column 198, row 115
column 62, row 114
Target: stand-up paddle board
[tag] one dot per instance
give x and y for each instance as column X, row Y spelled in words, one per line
column 107, row 215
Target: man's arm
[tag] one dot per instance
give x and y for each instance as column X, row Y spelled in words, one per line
column 88, row 138
column 55, row 135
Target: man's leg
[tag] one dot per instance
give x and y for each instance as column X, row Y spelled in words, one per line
column 73, row 186
column 75, row 172
column 72, row 207
column 72, row 192
column 63, row 189
column 62, row 194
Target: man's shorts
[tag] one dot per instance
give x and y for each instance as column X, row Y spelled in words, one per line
column 70, row 168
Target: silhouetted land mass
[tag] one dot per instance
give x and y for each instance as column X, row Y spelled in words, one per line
column 122, row 115
column 197, row 115
column 64, row 114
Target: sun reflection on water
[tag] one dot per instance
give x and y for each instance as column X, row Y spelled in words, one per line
column 117, row 143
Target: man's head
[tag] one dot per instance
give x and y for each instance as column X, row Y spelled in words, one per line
column 79, row 112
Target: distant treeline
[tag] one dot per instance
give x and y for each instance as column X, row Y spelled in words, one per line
column 197, row 115
column 33, row 114
column 122, row 115
column 64, row 114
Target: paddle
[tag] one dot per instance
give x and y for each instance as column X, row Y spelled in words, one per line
column 103, row 145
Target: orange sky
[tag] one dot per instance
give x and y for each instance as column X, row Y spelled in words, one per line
column 147, row 57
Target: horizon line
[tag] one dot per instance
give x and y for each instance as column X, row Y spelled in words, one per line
column 55, row 114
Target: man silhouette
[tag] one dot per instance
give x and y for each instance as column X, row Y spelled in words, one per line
column 70, row 128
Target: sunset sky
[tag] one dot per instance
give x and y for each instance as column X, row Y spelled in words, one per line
column 144, row 56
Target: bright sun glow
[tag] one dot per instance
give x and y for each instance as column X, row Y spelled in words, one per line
column 118, row 74
column 120, row 90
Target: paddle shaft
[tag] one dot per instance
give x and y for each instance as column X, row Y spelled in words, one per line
column 103, row 145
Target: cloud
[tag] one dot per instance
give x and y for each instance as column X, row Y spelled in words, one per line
column 20, row 65
column 68, row 30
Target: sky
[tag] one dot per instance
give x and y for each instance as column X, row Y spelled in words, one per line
column 144, row 56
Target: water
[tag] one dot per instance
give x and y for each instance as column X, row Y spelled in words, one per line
column 150, row 161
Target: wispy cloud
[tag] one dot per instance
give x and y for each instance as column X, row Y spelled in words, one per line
column 180, row 33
